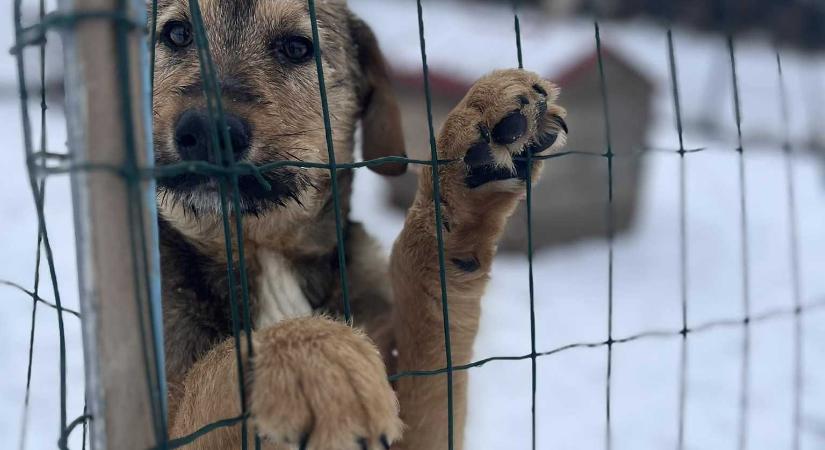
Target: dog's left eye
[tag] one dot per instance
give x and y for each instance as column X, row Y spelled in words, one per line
column 297, row 49
column 177, row 34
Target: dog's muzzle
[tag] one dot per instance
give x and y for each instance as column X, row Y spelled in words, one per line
column 195, row 139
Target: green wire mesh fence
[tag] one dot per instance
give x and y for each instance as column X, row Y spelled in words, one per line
column 42, row 164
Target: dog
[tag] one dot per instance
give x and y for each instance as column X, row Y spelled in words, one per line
column 312, row 380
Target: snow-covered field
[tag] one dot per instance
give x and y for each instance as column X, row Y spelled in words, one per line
column 571, row 289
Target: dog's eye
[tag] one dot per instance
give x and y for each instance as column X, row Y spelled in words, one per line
column 297, row 49
column 177, row 34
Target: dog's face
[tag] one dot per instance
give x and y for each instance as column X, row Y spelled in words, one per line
column 264, row 60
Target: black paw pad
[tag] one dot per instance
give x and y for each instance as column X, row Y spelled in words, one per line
column 362, row 443
column 385, row 442
column 478, row 155
column 510, row 129
column 485, row 174
column 467, row 265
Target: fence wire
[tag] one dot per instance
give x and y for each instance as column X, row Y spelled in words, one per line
column 41, row 164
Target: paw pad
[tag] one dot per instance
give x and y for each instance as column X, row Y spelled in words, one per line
column 478, row 155
column 534, row 126
column 510, row 129
column 507, row 117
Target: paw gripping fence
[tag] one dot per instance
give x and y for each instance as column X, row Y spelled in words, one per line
column 123, row 21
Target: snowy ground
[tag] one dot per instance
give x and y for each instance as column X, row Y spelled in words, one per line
column 571, row 294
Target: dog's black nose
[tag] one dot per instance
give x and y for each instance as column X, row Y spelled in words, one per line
column 193, row 136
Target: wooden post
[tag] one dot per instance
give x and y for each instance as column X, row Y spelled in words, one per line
column 118, row 270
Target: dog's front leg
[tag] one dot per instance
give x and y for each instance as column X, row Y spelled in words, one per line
column 488, row 136
column 312, row 383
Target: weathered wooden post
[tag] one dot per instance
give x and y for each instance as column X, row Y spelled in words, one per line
column 108, row 112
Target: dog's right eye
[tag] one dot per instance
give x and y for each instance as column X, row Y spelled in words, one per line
column 294, row 49
column 176, row 34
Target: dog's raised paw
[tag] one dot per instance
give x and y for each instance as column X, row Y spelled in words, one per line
column 320, row 385
column 506, row 117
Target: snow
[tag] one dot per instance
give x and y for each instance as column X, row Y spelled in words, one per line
column 571, row 282
column 571, row 306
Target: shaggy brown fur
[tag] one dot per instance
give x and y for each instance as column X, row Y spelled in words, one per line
column 313, row 379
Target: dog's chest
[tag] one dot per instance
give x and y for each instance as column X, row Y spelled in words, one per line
column 280, row 295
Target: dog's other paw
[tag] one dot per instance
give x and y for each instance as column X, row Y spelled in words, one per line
column 321, row 385
column 505, row 117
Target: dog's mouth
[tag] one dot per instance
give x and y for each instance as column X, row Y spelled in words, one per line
column 199, row 194
column 251, row 191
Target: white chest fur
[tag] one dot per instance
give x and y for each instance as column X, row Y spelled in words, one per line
column 280, row 296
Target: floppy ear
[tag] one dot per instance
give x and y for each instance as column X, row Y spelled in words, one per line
column 380, row 116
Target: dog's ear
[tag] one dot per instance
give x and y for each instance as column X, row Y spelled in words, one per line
column 380, row 116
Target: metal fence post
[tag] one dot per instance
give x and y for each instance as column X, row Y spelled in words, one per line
column 109, row 119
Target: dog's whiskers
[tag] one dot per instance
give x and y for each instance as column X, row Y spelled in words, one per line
column 296, row 133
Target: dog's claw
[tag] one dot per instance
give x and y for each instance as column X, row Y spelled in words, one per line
column 543, row 142
column 541, row 106
column 484, row 132
column 385, row 442
column 562, row 124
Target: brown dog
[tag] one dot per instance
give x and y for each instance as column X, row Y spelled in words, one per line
column 313, row 380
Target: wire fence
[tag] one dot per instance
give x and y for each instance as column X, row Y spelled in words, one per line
column 42, row 164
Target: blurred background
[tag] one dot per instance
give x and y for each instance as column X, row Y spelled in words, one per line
column 574, row 280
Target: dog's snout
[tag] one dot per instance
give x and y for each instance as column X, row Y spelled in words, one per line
column 194, row 139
